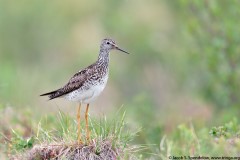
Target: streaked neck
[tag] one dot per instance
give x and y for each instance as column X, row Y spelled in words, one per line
column 103, row 57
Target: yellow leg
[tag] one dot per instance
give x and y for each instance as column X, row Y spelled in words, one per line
column 87, row 126
column 79, row 126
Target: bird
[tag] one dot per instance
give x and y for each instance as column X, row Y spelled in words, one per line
column 87, row 84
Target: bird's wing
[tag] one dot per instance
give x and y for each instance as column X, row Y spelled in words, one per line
column 74, row 83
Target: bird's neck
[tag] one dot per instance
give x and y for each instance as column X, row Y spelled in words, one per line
column 103, row 58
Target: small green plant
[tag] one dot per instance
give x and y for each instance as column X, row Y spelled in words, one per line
column 219, row 131
column 19, row 143
column 228, row 130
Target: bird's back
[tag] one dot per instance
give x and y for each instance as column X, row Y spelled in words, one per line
column 81, row 85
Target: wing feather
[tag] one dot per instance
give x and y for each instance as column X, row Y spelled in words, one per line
column 76, row 82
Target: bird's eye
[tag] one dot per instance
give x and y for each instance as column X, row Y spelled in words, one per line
column 108, row 43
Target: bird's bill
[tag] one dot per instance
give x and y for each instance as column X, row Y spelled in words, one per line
column 117, row 48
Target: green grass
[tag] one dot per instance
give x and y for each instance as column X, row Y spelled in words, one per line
column 185, row 140
column 63, row 132
column 217, row 141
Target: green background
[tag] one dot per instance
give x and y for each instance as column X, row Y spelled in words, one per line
column 184, row 65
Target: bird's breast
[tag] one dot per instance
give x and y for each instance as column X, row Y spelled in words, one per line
column 96, row 89
column 89, row 91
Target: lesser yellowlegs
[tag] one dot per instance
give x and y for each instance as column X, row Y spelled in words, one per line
column 87, row 84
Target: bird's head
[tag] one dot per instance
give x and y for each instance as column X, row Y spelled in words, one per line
column 109, row 44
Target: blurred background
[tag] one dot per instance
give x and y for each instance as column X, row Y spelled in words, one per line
column 183, row 67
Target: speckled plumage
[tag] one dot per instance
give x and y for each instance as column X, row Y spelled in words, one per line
column 87, row 84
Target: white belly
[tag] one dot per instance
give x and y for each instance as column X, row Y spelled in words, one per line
column 86, row 96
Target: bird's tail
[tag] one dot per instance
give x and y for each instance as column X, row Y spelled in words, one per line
column 49, row 93
column 54, row 94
